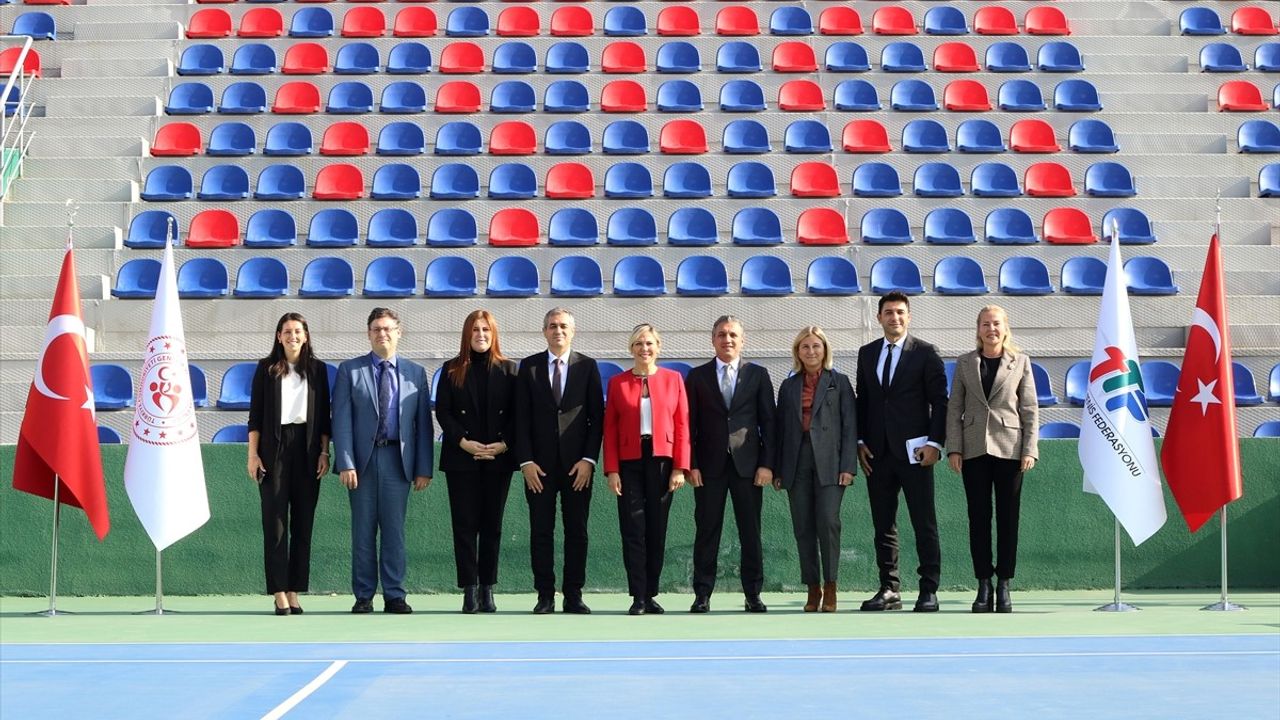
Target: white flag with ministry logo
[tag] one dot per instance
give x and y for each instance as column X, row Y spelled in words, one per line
column 1116, row 449
column 163, row 472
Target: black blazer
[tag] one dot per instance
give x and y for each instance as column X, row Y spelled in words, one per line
column 833, row 428
column 264, row 411
column 914, row 404
column 556, row 437
column 743, row 431
column 460, row 416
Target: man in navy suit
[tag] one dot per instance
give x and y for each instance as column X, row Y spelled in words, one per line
column 382, row 437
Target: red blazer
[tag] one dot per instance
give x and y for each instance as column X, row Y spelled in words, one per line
column 670, row 419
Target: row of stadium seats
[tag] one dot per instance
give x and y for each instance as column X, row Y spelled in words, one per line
column 1247, row 20
column 1222, row 57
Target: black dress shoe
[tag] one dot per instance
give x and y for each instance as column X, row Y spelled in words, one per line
column 885, row 599
column 651, row 607
column 295, row 609
column 982, row 603
column 396, row 606
column 280, row 610
column 486, row 599
column 362, row 607
column 574, row 606
column 546, row 605
column 926, row 602
column 754, row 604
column 637, row 607
column 1003, row 603
column 701, row 604
column 469, row 599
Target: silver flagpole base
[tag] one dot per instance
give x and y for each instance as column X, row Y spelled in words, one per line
column 54, row 612
column 1225, row 606
column 1117, row 607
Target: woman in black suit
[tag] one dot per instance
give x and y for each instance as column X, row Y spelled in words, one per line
column 288, row 454
column 474, row 406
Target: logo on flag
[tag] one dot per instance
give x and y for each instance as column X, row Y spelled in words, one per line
column 165, row 412
column 1123, row 387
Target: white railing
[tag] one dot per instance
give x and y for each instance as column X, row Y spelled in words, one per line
column 16, row 104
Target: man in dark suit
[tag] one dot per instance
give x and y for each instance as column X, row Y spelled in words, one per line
column 901, row 398
column 559, row 424
column 382, row 437
column 731, row 409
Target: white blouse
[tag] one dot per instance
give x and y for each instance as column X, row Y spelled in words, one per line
column 293, row 398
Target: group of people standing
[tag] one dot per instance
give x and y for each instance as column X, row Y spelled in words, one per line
column 721, row 429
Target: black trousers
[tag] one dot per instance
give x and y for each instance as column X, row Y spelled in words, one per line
column 575, row 507
column 708, row 515
column 889, row 477
column 982, row 475
column 477, row 500
column 289, row 494
column 643, row 509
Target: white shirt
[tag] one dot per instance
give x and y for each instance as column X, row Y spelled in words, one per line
column 897, row 355
column 646, row 416
column 564, row 369
column 293, row 398
column 721, row 365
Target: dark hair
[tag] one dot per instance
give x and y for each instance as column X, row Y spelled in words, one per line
column 462, row 363
column 381, row 312
column 279, row 365
column 893, row 296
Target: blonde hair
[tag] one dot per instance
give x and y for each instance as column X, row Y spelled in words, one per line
column 641, row 329
column 1007, row 345
column 827, row 357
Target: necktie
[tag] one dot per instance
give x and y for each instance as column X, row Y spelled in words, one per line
column 888, row 363
column 726, row 385
column 384, row 399
column 556, row 392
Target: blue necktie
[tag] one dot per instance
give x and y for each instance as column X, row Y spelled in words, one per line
column 384, row 399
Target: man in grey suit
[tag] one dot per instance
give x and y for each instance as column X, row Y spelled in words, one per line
column 382, row 436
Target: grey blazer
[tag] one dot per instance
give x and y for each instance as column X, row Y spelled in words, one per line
column 355, row 417
column 832, row 428
column 1006, row 425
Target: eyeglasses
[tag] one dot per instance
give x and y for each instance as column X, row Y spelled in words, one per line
column 379, row 329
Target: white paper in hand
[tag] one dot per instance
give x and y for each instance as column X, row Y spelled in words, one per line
column 914, row 444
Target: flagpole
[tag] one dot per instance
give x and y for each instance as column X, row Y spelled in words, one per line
column 1116, row 605
column 53, row 555
column 159, row 585
column 1223, row 604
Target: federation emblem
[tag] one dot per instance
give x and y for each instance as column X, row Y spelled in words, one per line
column 165, row 413
column 1124, row 387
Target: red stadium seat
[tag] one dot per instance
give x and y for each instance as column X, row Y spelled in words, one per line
column 683, row 137
column 513, row 227
column 570, row 181
column 518, row 21
column 622, row 57
column 339, row 182
column 893, row 20
column 800, row 95
column 296, row 98
column 866, row 136
column 213, row 229
column 1236, row 96
column 572, row 21
column 364, row 22
column 1068, row 226
column 966, row 96
column 415, row 21
column 305, row 58
column 461, row 58
column 300, row 1
column 955, row 57
column 840, row 20
column 1046, row 20
column 458, row 96
column 821, row 226
column 1252, row 20
column 623, row 96
column 1048, row 180
column 9, row 60
column 262, row 22
column 737, row 20
column 180, row 139
column 211, row 23
column 46, row 2
column 345, row 138
column 202, row 2
column 794, row 57
column 679, row 21
column 513, row 138
column 1033, row 136
column 995, row 20
column 814, row 179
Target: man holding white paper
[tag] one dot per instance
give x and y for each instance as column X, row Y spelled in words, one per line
column 902, row 412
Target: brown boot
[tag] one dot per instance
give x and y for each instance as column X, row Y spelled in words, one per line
column 829, row 597
column 815, row 597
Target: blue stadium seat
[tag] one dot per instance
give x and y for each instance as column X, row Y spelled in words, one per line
column 1267, row 57
column 1076, row 95
column 945, row 20
column 1269, row 180
column 450, row 276
column 466, row 21
column 832, row 275
column 746, row 137
column 624, row 137
column 1246, row 391
column 885, row 226
column 350, row 97
column 190, row 98
column 678, row 365
column 149, row 228
column 403, row 138
column 311, row 22
column 692, row 227
column 948, row 226
column 201, row 59
column 112, row 387
column 1109, row 179
column 36, row 25
column 937, row 179
column 567, row 58
column 756, row 226
column 327, row 277
column 389, row 276
column 1083, row 275
column 568, row 137
column 607, row 370
column 137, row 279
column 1023, row 275
column 288, row 139
column 280, row 182
column 237, row 384
column 403, row 96
column 1059, row 56
column 514, row 58
column 254, row 59
column 741, row 96
column 807, row 136
column 1077, row 382
column 261, row 277
column 576, row 276
column 1061, row 430
column 513, row 181
column 451, row 227
column 678, row 56
column 1009, row 226
column 631, row 227
column 679, row 96
column 702, row 275
column 396, row 181
column 1160, row 382
column 686, row 180
column 1267, row 429
column 455, row 181
column 224, row 182
column 357, row 58
column 1258, row 136
column 1221, row 57
column 994, row 179
column 1200, row 21
column 167, row 182
column 230, row 434
column 202, row 277
column 409, row 58
column 846, row 56
column 108, row 436
column 912, row 95
column 628, row 180
column 458, row 138
column 1132, row 224
column 638, row 276
column 896, row 273
column 856, row 96
column 333, row 227
column 902, row 56
column 766, row 275
column 243, row 98
column 979, row 136
column 566, row 96
column 737, row 56
column 790, row 21
column 231, row 139
column 573, row 226
column 1273, row 383
column 1020, row 95
column 1007, row 56
column 513, row 96
column 751, row 180
column 1044, row 389
column 876, row 179
column 624, row 21
column 1091, row 136
column 959, row 275
column 1146, row 275
column 271, row 228
column 925, row 136
column 392, row 227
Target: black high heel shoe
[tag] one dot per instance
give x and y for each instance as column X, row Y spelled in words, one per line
column 280, row 610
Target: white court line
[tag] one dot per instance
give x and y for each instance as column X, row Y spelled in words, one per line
column 306, row 690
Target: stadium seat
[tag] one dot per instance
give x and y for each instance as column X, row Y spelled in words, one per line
column 305, row 58
column 885, row 226
column 206, row 23
column 200, row 59
column 628, row 180
column 903, row 57
column 458, row 138
column 513, row 181
column 213, row 229
column 573, row 227
column 832, row 275
column 686, row 180
column 112, row 386
column 673, row 96
column 622, row 57
column 1024, row 275
column 1273, row 383
column 751, row 180
column 638, row 276
column 516, row 21
column 741, row 96
column 202, row 277
column 416, row 21
column 737, row 20
column 631, row 227
column 794, row 57
column 1068, row 226
column 333, row 227
column 790, row 21
column 296, row 98
column 576, row 276
column 364, row 22
column 839, row 20
column 1059, row 56
column 896, row 273
column 108, row 436
column 1132, row 225
column 948, row 226
column 701, row 276
column 461, row 58
column 1007, row 57
column 912, row 95
column 451, row 227
column 893, row 20
column 1020, row 95
column 150, row 228
column 566, row 58
column 745, row 137
column 513, row 227
column 261, row 277
column 682, row 137
column 231, row 434
column 1269, row 180
column 692, row 227
column 945, row 20
column 572, row 21
column 766, row 275
column 1033, row 136
column 756, row 226
column 807, row 136
column 450, row 276
column 327, row 277
column 389, row 276
column 280, row 182
column 167, row 182
column 821, row 226
column 396, row 181
column 1258, row 136
column 994, row 20
column 1266, row 58
column 178, row 139
column 623, row 96
column 345, row 139
column 189, row 98
column 624, row 21
column 876, row 179
column 224, row 182
column 243, row 98
column 1046, row 20
column 288, row 139
column 455, row 181
column 1077, row 382
column 937, row 179
column 231, row 139
column 1060, row 430
column 865, row 136
column 1246, row 391
column 401, row 138
column 624, row 137
column 925, row 136
column 512, row 138
column 1221, row 57
column 1091, row 136
column 1160, row 382
column 814, row 179
column 137, row 279
column 1200, row 21
column 1240, row 95
column 458, row 97
column 466, row 22
column 979, row 136
column 512, row 96
column 571, row 181
column 1109, row 179
column 966, row 96
column 959, row 275
column 9, row 62
column 1083, row 275
column 738, row 56
column 1076, row 96
column 1145, row 275
column 678, row 57
column 1048, row 180
column 409, row 58
column 955, row 57
column 1009, row 226
column 351, row 97
column 270, row 228
column 1267, row 429
column 678, row 21
column 357, row 58
column 846, row 56
column 339, row 181
column 311, row 22
column 1248, row 20
column 568, row 137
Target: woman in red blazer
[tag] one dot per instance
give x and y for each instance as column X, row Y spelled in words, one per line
column 646, row 456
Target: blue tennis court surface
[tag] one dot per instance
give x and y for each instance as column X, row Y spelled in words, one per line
column 1233, row 676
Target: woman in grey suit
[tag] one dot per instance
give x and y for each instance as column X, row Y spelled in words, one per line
column 817, row 458
column 992, row 430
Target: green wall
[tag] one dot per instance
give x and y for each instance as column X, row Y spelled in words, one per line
column 1066, row 537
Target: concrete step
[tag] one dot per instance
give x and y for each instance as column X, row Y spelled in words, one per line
column 92, row 31
column 117, row 68
column 54, row 237
column 30, row 287
column 78, row 148
column 95, row 107
column 80, row 190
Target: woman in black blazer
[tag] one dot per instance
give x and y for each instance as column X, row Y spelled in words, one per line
column 288, row 454
column 474, row 406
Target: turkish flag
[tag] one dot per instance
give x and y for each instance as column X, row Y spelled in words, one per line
column 58, row 441
column 1201, row 453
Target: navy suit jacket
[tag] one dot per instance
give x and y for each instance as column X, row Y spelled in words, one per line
column 743, row 432
column 355, row 417
column 914, row 404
